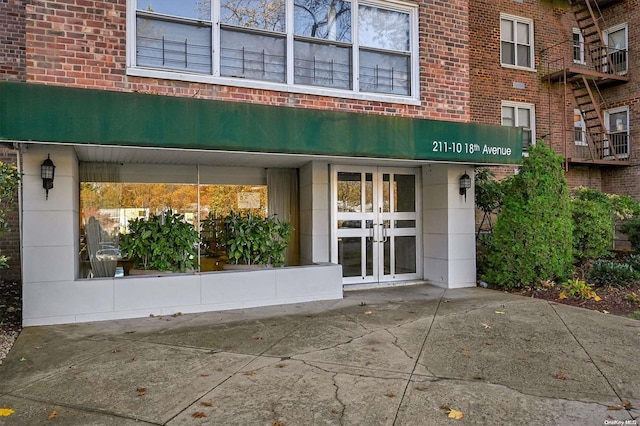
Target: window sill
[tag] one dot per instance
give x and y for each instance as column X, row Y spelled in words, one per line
column 282, row 87
column 515, row 67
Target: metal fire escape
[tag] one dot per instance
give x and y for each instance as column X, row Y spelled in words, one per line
column 587, row 65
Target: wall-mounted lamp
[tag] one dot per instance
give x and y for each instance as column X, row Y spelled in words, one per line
column 47, row 172
column 465, row 183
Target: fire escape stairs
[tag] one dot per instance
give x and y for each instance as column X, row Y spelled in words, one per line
column 584, row 86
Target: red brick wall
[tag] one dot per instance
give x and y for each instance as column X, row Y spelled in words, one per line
column 10, row 241
column 12, row 40
column 490, row 83
column 82, row 43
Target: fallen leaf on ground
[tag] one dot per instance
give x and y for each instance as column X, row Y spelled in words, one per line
column 626, row 405
column 207, row 404
column 250, row 373
column 561, row 376
column 6, row 412
column 614, row 408
column 500, row 312
column 198, row 415
column 390, row 395
column 52, row 415
column 277, row 423
column 562, row 296
column 281, row 365
column 455, row 414
column 478, row 378
column 421, row 388
column 141, row 391
column 597, row 298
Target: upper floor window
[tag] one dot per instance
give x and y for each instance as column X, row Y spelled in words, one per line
column 578, row 46
column 617, row 46
column 516, row 41
column 355, row 46
column 617, row 122
column 522, row 115
column 579, row 130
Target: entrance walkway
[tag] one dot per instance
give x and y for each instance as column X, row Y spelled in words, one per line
column 394, row 356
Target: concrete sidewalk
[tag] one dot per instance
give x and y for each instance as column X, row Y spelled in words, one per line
column 379, row 357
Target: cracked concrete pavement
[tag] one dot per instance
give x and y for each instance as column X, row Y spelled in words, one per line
column 387, row 356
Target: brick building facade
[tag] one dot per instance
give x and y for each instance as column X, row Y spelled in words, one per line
column 313, row 99
column 558, row 42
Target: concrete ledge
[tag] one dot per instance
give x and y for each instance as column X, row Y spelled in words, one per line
column 134, row 297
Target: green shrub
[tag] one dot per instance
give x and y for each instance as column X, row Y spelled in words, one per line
column 484, row 246
column 579, row 289
column 631, row 229
column 608, row 273
column 533, row 232
column 592, row 229
column 633, row 260
column 164, row 242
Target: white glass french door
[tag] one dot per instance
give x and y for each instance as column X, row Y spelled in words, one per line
column 376, row 223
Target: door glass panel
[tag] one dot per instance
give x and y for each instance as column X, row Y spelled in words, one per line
column 370, row 247
column 386, row 193
column 349, row 192
column 350, row 256
column 387, row 257
column 369, row 193
column 405, row 189
column 405, row 255
column 349, row 224
column 404, row 224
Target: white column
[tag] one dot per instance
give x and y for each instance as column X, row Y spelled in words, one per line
column 314, row 212
column 448, row 227
column 51, row 242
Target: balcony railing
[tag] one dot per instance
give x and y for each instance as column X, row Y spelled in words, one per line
column 598, row 147
column 585, row 57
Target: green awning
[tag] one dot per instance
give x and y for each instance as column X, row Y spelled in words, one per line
column 32, row 112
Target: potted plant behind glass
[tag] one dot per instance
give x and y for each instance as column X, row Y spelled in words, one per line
column 256, row 241
column 161, row 243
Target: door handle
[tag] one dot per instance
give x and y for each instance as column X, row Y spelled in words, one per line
column 384, row 233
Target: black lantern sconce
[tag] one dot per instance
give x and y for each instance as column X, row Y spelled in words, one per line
column 465, row 183
column 47, row 172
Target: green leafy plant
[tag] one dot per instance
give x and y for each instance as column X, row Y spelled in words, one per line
column 254, row 240
column 633, row 298
column 164, row 242
column 489, row 196
column 579, row 289
column 631, row 229
column 609, row 273
column 532, row 240
column 592, row 229
column 9, row 180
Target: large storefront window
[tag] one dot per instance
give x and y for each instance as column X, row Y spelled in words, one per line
column 106, row 209
column 366, row 47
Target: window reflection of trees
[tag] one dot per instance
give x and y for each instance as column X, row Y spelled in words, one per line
column 330, row 20
column 266, row 15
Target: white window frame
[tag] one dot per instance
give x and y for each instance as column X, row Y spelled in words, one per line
column 580, row 60
column 579, row 126
column 616, row 28
column 515, row 20
column 627, row 131
column 289, row 86
column 532, row 116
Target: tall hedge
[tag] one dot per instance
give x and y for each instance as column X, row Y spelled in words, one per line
column 533, row 232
